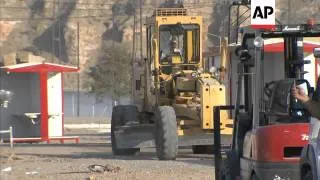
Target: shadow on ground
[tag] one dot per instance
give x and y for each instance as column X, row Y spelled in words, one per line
column 93, row 149
column 184, row 157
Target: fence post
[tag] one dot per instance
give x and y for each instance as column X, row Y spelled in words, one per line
column 10, row 132
column 93, row 110
column 11, row 137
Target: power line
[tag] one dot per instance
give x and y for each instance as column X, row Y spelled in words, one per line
column 100, row 9
column 186, row 5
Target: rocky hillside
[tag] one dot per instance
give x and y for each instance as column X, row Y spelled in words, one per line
column 49, row 27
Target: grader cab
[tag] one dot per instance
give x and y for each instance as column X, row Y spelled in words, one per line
column 173, row 93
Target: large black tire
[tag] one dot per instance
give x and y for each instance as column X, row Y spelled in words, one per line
column 166, row 133
column 254, row 177
column 120, row 115
column 202, row 149
column 227, row 169
column 308, row 176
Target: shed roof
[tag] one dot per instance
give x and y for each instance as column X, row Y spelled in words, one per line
column 40, row 67
column 277, row 45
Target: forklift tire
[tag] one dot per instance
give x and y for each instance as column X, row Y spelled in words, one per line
column 202, row 149
column 254, row 177
column 308, row 176
column 166, row 133
column 118, row 119
column 227, row 169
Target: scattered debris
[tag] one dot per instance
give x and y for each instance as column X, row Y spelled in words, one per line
column 101, row 168
column 91, row 178
column 10, row 157
column 113, row 169
column 8, row 169
column 32, row 173
column 97, row 168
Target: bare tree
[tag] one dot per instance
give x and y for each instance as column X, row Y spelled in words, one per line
column 111, row 73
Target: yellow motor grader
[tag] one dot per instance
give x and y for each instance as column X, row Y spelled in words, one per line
column 173, row 92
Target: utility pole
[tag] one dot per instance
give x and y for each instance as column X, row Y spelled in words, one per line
column 133, row 54
column 56, row 31
column 78, row 75
column 1, row 29
column 141, row 24
column 134, row 38
column 53, row 29
column 237, row 33
column 289, row 10
column 113, row 29
column 59, row 31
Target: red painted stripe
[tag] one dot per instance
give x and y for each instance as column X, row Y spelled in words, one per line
column 62, row 110
column 42, row 67
column 275, row 47
column 44, row 105
column 309, row 47
column 265, row 27
column 26, row 140
column 279, row 47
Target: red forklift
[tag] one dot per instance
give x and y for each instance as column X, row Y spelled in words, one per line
column 271, row 126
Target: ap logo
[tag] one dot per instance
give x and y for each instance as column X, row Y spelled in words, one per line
column 263, row 13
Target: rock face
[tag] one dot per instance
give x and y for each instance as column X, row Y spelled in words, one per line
column 49, row 27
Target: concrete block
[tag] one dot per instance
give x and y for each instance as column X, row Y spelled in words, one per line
column 9, row 59
column 28, row 57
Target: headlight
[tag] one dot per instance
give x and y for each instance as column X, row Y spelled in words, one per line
column 5, row 98
column 194, row 75
column 213, row 69
column 5, row 95
column 200, row 70
column 258, row 42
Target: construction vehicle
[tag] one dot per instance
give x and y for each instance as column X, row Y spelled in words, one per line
column 272, row 128
column 174, row 93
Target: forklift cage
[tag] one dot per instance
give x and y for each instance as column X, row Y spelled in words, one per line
column 217, row 135
column 284, row 31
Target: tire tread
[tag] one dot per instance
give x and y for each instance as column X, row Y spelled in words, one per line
column 166, row 136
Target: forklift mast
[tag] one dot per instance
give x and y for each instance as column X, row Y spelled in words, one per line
column 293, row 55
column 252, row 65
column 293, row 63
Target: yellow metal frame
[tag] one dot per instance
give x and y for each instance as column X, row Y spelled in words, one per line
column 165, row 20
column 212, row 94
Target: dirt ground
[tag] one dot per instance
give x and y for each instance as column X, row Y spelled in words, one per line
column 71, row 161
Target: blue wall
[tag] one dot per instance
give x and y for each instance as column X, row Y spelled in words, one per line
column 88, row 105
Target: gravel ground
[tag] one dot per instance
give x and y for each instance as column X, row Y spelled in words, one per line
column 70, row 161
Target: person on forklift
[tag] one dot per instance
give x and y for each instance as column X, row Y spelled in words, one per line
column 174, row 48
column 313, row 106
column 174, row 51
column 175, row 56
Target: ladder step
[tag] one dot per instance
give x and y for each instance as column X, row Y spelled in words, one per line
column 189, row 122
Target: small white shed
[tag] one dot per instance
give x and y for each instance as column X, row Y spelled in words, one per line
column 36, row 109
